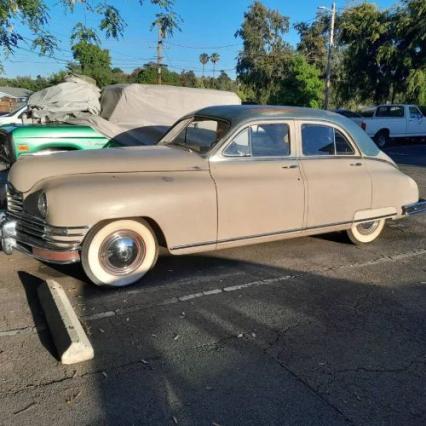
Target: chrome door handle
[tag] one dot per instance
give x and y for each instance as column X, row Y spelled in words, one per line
column 291, row 166
column 356, row 164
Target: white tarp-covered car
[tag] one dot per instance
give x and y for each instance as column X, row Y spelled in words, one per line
column 130, row 114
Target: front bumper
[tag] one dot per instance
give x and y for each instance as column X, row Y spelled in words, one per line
column 46, row 243
column 415, row 208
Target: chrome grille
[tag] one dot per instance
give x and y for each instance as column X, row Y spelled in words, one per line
column 15, row 201
column 35, row 232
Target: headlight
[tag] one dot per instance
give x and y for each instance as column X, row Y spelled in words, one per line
column 42, row 205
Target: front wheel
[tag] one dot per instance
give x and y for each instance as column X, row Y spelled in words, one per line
column 366, row 232
column 119, row 253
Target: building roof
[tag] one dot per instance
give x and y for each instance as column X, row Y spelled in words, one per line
column 14, row 92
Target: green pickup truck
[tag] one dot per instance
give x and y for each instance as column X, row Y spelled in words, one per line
column 17, row 140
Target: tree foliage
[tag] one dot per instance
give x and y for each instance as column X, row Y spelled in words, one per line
column 34, row 15
column 91, row 59
column 302, row 85
column 260, row 63
column 380, row 54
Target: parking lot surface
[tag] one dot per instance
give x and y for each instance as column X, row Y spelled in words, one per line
column 306, row 331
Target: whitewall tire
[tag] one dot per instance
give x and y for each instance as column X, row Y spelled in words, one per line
column 119, row 253
column 366, row 232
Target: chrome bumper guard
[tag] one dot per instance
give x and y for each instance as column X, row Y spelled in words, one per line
column 7, row 234
column 415, row 208
column 37, row 239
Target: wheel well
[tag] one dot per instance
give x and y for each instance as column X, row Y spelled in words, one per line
column 386, row 131
column 157, row 230
column 151, row 222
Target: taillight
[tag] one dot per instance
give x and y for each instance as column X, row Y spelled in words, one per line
column 364, row 125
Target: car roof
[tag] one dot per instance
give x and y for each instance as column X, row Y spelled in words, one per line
column 239, row 115
column 242, row 113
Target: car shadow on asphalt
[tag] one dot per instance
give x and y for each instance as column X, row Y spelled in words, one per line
column 303, row 347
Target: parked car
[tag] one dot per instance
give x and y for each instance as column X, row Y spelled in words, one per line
column 17, row 140
column 394, row 122
column 131, row 114
column 14, row 117
column 354, row 116
column 221, row 177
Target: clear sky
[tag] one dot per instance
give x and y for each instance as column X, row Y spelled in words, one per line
column 208, row 26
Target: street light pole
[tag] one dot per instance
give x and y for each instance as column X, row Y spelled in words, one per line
column 329, row 58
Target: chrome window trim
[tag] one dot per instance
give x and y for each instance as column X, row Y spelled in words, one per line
column 299, row 123
column 219, row 155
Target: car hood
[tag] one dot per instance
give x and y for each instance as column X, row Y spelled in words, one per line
column 31, row 169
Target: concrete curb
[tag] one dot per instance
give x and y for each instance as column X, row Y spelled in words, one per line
column 71, row 341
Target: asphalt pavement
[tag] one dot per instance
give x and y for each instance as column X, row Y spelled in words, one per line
column 306, row 331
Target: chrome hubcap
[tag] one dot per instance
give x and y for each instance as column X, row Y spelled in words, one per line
column 122, row 252
column 367, row 228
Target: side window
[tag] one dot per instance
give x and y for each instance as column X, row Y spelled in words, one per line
column 382, row 112
column 317, row 139
column 270, row 140
column 392, row 111
column 261, row 140
column 415, row 113
column 240, row 145
column 343, row 147
column 324, row 140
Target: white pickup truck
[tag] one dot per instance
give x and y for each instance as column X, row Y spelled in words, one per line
column 387, row 122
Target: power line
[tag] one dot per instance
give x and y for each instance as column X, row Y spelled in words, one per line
column 204, row 47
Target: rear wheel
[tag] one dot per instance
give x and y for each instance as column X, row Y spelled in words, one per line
column 119, row 253
column 366, row 232
column 382, row 138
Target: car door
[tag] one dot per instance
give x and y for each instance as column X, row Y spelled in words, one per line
column 260, row 190
column 416, row 124
column 337, row 180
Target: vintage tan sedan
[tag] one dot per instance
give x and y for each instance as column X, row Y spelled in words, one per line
column 221, row 177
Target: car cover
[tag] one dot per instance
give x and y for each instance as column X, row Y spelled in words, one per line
column 77, row 94
column 145, row 111
column 127, row 113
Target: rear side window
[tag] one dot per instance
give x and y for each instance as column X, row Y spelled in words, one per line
column 390, row 111
column 324, row 140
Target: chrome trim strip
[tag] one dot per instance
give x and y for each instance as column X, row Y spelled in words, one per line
column 270, row 234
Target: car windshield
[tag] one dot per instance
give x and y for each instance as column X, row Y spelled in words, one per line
column 196, row 134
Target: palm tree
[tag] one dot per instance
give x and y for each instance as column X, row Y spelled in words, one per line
column 214, row 58
column 204, row 59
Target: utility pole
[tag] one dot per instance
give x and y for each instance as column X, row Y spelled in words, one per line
column 330, row 56
column 159, row 53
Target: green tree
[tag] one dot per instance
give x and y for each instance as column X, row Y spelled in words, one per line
column 265, row 55
column 204, row 59
column 91, row 59
column 302, row 86
column 188, row 79
column 313, row 40
column 33, row 15
column 148, row 75
column 214, row 59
